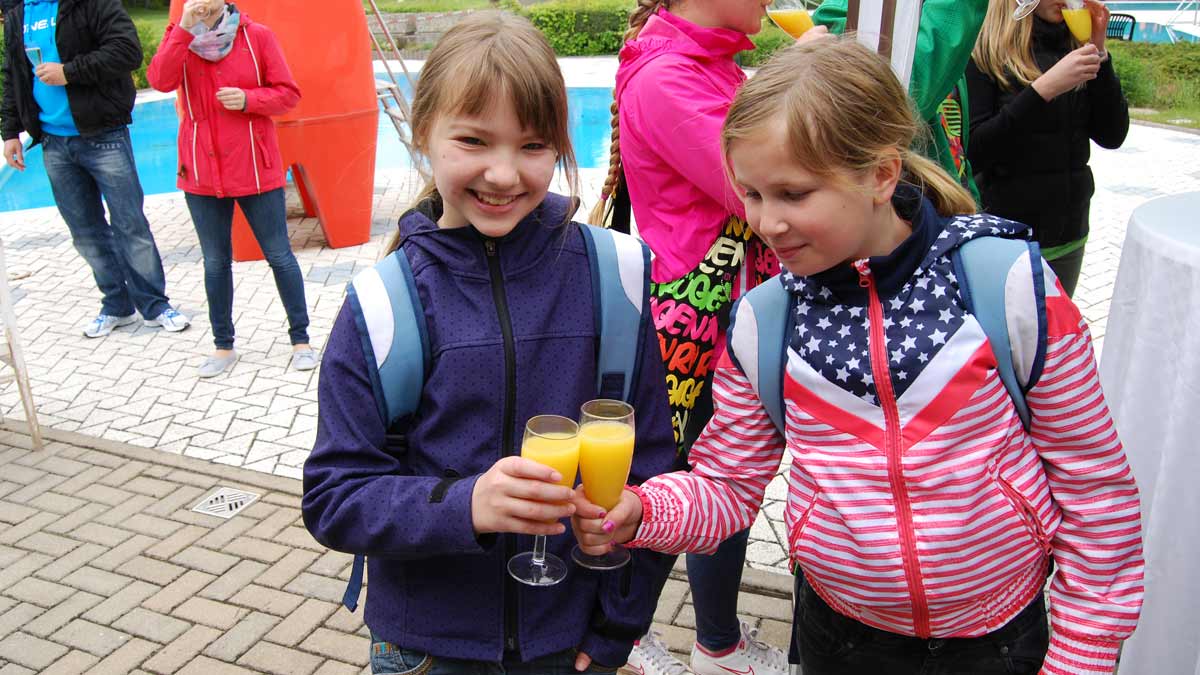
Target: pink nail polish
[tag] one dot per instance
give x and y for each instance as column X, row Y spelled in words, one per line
column 608, row 526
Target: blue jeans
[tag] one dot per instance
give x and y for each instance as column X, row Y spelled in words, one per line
column 391, row 659
column 267, row 214
column 716, row 581
column 121, row 250
column 832, row 644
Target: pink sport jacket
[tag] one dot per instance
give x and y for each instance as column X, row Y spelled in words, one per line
column 674, row 86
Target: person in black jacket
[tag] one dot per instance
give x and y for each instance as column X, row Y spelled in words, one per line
column 68, row 68
column 1036, row 98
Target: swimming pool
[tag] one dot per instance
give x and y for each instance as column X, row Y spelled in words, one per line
column 1144, row 31
column 1143, row 5
column 155, row 126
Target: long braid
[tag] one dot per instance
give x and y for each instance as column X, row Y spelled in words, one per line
column 603, row 210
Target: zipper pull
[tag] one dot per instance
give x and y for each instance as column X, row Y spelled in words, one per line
column 490, row 247
column 863, row 267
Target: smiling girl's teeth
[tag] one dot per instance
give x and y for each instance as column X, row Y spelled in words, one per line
column 494, row 200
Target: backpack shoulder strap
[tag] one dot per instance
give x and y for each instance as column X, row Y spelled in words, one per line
column 983, row 266
column 620, row 268
column 758, row 341
column 391, row 322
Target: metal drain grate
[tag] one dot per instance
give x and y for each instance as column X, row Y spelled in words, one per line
column 225, row 502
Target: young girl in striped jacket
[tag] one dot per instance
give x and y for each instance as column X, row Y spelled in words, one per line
column 924, row 515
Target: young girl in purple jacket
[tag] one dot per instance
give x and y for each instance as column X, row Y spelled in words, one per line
column 505, row 282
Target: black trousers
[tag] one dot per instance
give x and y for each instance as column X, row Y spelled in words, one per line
column 831, row 644
column 1068, row 268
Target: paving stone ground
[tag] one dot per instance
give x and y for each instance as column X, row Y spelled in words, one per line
column 105, row 569
column 138, row 385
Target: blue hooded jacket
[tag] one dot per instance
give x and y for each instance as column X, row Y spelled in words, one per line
column 434, row 585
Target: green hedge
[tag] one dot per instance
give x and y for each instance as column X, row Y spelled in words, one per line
column 581, row 27
column 770, row 40
column 1158, row 75
column 150, row 36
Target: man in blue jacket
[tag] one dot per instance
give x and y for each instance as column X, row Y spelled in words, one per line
column 68, row 68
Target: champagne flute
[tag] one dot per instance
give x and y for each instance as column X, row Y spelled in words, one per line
column 552, row 441
column 606, row 434
column 1024, row 8
column 1079, row 20
column 791, row 16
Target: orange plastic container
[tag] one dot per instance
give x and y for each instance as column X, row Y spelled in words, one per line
column 328, row 140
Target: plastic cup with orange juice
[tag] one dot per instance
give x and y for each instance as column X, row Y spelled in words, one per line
column 1079, row 21
column 606, row 440
column 551, row 441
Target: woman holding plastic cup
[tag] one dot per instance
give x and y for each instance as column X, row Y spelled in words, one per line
column 1041, row 88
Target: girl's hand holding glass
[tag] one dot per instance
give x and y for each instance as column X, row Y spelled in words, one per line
column 606, row 442
column 1098, row 14
column 1072, row 70
column 597, row 529
column 520, row 496
column 552, row 442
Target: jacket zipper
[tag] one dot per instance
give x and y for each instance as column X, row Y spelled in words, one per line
column 894, row 451
column 187, row 96
column 258, row 77
column 510, row 404
column 254, row 158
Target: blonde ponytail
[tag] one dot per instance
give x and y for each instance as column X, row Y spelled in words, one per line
column 949, row 197
column 602, row 211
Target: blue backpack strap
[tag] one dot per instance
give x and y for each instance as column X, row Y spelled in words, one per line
column 391, row 321
column 620, row 281
column 982, row 266
column 758, row 341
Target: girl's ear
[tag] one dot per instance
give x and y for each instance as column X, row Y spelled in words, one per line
column 886, row 175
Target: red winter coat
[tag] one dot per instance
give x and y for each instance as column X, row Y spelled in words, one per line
column 227, row 153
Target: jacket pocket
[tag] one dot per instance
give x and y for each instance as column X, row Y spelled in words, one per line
column 798, row 529
column 1024, row 510
column 260, row 146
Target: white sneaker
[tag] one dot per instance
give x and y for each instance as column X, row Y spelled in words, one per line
column 651, row 657
column 104, row 324
column 170, row 320
column 751, row 657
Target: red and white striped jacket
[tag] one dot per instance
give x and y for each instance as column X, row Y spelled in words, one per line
column 922, row 506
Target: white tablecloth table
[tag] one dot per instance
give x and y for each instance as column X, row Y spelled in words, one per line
column 1150, row 370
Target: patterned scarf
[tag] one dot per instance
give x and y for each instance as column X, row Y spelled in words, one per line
column 214, row 44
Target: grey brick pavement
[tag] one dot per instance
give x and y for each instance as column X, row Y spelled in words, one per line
column 253, row 594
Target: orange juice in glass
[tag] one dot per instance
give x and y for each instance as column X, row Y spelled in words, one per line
column 794, row 22
column 559, row 451
column 1079, row 20
column 551, row 441
column 606, row 435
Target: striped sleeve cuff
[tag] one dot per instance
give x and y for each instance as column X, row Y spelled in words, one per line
column 659, row 530
column 1076, row 655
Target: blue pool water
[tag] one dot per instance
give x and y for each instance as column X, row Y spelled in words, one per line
column 1156, row 32
column 155, row 126
column 1143, row 5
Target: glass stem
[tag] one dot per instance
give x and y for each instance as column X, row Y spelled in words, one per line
column 539, row 550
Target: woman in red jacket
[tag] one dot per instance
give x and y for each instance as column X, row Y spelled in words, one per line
column 231, row 77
